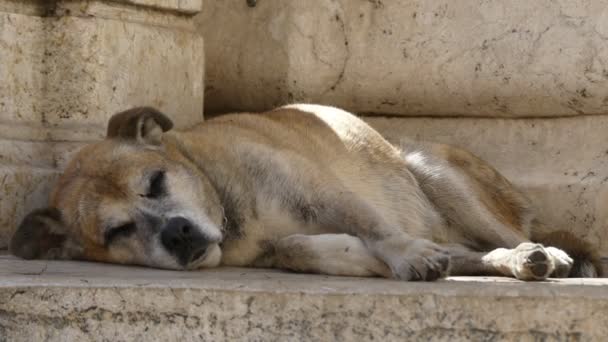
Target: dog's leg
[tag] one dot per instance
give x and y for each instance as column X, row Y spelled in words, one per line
column 485, row 211
column 477, row 202
column 408, row 258
column 347, row 255
column 528, row 261
column 332, row 254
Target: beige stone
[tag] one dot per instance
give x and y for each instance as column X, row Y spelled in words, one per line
column 61, row 301
column 439, row 57
column 185, row 6
column 67, row 68
column 561, row 163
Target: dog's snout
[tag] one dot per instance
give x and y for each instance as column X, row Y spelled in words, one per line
column 181, row 238
column 176, row 233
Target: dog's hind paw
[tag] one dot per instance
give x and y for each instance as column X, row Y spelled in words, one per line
column 531, row 261
column 563, row 262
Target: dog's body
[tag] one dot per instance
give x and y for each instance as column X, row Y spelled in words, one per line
column 306, row 188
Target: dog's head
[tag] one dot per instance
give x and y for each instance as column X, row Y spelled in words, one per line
column 132, row 198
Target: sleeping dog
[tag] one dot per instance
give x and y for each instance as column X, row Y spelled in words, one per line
column 305, row 188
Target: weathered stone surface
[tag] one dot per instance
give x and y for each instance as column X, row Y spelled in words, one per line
column 59, row 301
column 82, row 68
column 186, row 6
column 40, row 7
column 68, row 66
column 439, row 57
column 561, row 163
column 30, row 7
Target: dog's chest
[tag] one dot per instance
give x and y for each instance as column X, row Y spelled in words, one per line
column 274, row 220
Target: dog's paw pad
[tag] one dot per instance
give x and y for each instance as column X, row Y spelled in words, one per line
column 537, row 264
column 532, row 262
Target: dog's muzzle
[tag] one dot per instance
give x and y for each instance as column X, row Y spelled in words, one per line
column 182, row 239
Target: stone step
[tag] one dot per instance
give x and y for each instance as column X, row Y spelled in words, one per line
column 77, row 301
column 561, row 163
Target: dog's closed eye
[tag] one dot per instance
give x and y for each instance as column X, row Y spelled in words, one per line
column 119, row 231
column 157, row 185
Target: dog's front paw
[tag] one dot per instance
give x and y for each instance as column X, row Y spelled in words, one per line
column 423, row 261
column 531, row 261
column 563, row 262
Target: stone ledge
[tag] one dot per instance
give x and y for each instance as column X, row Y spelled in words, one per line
column 52, row 300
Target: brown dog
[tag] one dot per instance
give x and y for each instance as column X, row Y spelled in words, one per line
column 306, row 188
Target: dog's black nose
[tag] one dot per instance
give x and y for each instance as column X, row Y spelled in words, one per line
column 182, row 239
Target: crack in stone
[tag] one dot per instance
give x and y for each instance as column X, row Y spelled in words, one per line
column 535, row 44
column 173, row 293
column 18, row 292
column 313, row 42
column 123, row 302
column 346, row 58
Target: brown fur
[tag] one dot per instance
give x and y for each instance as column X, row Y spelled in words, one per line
column 586, row 258
column 303, row 187
column 495, row 192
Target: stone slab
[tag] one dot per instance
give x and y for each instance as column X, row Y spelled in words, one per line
column 439, row 57
column 59, row 301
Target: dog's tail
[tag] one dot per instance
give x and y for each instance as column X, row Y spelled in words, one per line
column 587, row 261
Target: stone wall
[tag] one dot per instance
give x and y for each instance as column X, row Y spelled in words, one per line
column 67, row 66
column 439, row 57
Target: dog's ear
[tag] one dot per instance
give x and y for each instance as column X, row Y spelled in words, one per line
column 41, row 235
column 144, row 124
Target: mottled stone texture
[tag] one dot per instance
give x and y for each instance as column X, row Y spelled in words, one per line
column 438, row 57
column 561, row 163
column 68, row 66
column 185, row 6
column 71, row 301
